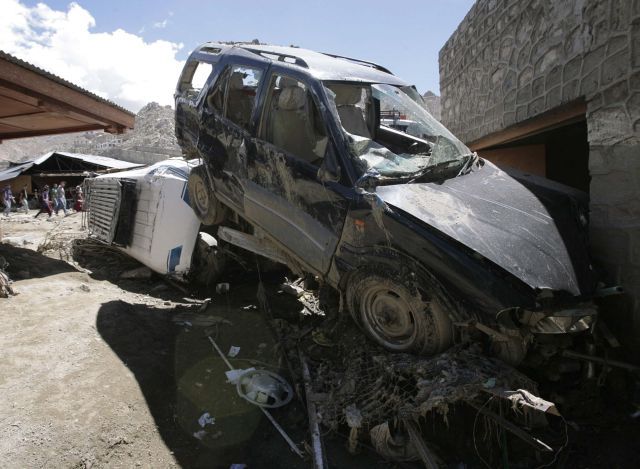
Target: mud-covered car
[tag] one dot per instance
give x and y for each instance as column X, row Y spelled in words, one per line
column 333, row 166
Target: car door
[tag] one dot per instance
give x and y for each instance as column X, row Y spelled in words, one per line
column 192, row 81
column 287, row 192
column 226, row 122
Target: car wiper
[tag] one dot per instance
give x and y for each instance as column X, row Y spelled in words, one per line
column 431, row 170
column 472, row 158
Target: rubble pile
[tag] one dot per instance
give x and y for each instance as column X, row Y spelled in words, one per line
column 387, row 386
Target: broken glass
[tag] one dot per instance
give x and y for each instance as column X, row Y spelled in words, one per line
column 407, row 140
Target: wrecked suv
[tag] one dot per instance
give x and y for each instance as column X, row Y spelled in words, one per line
column 333, row 166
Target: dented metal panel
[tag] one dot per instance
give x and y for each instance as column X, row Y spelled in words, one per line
column 533, row 235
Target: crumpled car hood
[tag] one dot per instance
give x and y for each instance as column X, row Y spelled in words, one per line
column 533, row 232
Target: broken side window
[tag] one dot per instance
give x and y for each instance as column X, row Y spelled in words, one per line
column 215, row 100
column 241, row 94
column 292, row 120
column 194, row 78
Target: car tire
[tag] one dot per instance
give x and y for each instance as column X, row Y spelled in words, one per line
column 202, row 200
column 396, row 315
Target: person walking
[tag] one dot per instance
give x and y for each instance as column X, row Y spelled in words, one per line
column 78, row 206
column 25, row 199
column 7, row 196
column 53, row 196
column 44, row 202
column 61, row 199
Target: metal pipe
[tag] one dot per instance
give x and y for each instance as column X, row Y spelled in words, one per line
column 604, row 361
column 319, row 459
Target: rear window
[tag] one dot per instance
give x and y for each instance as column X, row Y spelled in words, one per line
column 194, row 77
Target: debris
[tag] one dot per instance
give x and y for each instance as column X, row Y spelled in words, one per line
column 266, row 413
column 264, row 388
column 205, row 305
column 394, row 447
column 428, row 458
column 234, row 375
column 523, row 398
column 318, row 454
column 603, row 361
column 517, row 431
column 222, row 288
column 387, row 386
column 292, row 289
column 354, row 421
column 139, row 273
column 5, row 281
column 206, row 419
column 200, row 434
column 84, row 287
column 233, row 351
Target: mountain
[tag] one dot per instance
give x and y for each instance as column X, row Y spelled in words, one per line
column 432, row 102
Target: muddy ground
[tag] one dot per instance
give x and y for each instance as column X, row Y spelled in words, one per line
column 100, row 371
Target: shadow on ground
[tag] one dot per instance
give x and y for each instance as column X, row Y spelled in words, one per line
column 27, row 263
column 182, row 377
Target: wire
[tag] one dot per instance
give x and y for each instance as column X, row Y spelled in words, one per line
column 566, row 443
column 475, row 421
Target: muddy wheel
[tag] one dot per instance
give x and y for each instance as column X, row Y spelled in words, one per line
column 204, row 203
column 397, row 316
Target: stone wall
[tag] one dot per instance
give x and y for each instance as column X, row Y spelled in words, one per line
column 509, row 61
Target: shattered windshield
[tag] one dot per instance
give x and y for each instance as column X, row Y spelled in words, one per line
column 391, row 133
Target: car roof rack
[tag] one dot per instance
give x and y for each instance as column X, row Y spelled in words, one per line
column 361, row 62
column 279, row 56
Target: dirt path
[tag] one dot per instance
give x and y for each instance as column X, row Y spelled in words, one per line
column 103, row 372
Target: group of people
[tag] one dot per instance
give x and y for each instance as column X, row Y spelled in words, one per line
column 49, row 199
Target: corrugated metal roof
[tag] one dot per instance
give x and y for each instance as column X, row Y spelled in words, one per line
column 15, row 60
column 104, row 161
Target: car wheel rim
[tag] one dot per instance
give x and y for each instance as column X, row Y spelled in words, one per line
column 201, row 196
column 388, row 317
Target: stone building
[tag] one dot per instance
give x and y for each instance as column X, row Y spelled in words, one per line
column 552, row 87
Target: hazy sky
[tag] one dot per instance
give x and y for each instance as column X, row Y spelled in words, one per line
column 132, row 51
